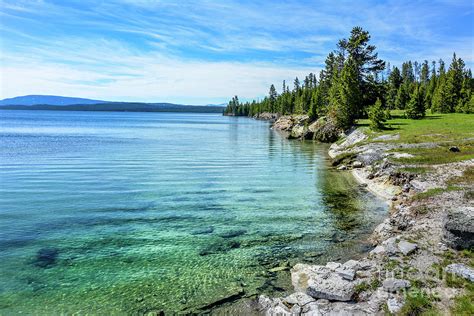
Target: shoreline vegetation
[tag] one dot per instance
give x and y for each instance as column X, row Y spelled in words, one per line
column 413, row 146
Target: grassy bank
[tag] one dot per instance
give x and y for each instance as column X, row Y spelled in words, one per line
column 438, row 131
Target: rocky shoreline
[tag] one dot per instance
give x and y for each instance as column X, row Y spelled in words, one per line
column 410, row 246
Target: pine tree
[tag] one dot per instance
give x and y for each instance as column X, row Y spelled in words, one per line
column 346, row 98
column 464, row 103
column 440, row 99
column 430, row 91
column 425, row 73
column 403, row 96
column 272, row 99
column 377, row 116
column 394, row 82
column 416, row 106
column 316, row 107
column 366, row 63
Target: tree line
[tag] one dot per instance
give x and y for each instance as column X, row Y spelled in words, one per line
column 355, row 84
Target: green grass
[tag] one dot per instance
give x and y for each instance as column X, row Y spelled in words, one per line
column 418, row 303
column 437, row 155
column 463, row 305
column 435, row 191
column 344, row 157
column 445, row 130
column 415, row 170
column 432, row 128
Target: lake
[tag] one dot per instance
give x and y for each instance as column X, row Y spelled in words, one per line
column 129, row 213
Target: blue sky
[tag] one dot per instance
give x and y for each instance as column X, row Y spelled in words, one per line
column 200, row 52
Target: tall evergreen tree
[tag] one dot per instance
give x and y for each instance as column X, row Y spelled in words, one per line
column 272, row 99
column 416, row 106
column 438, row 99
column 394, row 82
column 346, row 96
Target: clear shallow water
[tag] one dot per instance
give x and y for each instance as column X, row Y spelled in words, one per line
column 137, row 212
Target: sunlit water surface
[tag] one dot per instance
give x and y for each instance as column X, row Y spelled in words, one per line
column 145, row 212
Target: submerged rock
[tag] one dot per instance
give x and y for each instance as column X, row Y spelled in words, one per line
column 203, row 231
column 233, row 233
column 46, row 257
column 219, row 247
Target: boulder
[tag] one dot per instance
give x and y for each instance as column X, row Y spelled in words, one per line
column 284, row 123
column 461, row 270
column 346, row 273
column 298, row 131
column 393, row 285
column 342, row 167
column 459, row 228
column 377, row 251
column 391, row 247
column 267, row 116
column 321, row 282
column 333, row 265
column 406, row 247
column 324, row 130
column 454, row 149
column 298, row 298
column 273, row 306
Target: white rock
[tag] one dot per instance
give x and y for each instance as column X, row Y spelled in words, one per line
column 342, row 167
column 333, row 265
column 321, row 282
column 298, row 298
column 393, row 285
column 394, row 304
column 352, row 264
column 461, row 270
column 378, row 251
column 406, row 247
column 391, row 246
column 346, row 273
column 357, row 164
column 388, row 137
column 402, row 155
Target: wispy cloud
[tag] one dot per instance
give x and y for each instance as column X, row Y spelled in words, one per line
column 206, row 51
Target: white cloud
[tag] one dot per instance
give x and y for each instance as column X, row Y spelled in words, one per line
column 145, row 77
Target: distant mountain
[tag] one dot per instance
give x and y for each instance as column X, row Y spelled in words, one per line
column 47, row 99
column 57, row 103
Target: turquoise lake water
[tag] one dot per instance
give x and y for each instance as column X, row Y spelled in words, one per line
column 130, row 213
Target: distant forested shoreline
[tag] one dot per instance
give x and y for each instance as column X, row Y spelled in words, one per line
column 120, row 107
column 355, row 84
